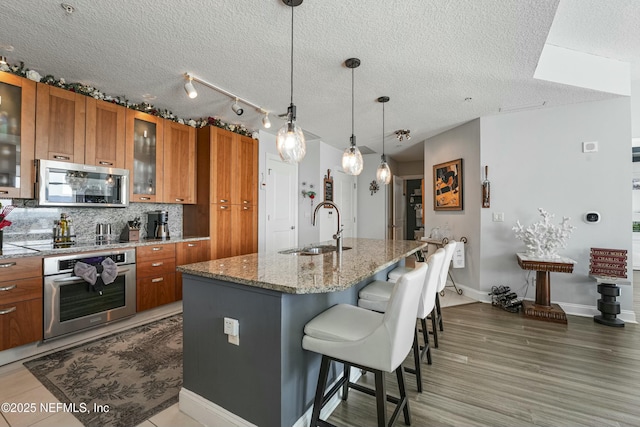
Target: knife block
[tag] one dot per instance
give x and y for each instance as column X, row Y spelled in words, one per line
column 130, row 234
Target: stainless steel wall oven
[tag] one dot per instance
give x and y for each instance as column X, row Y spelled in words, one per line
column 71, row 304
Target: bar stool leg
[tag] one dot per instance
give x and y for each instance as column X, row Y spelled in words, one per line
column 434, row 326
column 345, row 386
column 417, row 359
column 439, row 311
column 403, row 396
column 381, row 398
column 322, row 384
column 425, row 335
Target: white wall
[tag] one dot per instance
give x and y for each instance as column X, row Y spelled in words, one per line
column 460, row 142
column 535, row 161
column 309, row 173
column 372, row 221
column 410, row 168
column 267, row 145
column 635, row 109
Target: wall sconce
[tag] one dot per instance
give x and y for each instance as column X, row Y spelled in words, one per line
column 403, row 134
column 374, row 187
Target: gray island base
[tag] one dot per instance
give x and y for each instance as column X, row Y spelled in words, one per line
column 267, row 380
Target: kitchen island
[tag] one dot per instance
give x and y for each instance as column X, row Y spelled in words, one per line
column 268, row 379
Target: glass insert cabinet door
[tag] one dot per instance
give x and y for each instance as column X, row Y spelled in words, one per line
column 17, row 112
column 144, row 145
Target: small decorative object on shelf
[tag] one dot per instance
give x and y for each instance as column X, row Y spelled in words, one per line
column 501, row 296
column 542, row 238
column 4, row 222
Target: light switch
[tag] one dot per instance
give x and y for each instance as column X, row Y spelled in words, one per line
column 498, row 217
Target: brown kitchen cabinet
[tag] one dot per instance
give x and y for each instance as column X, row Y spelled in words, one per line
column 17, row 135
column 144, row 156
column 105, row 134
column 60, row 124
column 189, row 253
column 21, row 305
column 227, row 176
column 179, row 163
column 155, row 275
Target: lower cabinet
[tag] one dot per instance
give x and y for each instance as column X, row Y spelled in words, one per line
column 234, row 230
column 21, row 303
column 189, row 253
column 155, row 275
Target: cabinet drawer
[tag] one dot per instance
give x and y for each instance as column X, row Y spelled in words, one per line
column 20, row 323
column 190, row 252
column 155, row 267
column 20, row 290
column 20, row 268
column 145, row 253
column 154, row 291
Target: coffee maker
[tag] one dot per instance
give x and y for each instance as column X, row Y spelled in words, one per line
column 157, row 225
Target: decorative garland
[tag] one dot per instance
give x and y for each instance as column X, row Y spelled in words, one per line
column 145, row 107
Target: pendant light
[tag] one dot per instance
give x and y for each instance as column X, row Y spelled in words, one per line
column 290, row 139
column 352, row 158
column 383, row 173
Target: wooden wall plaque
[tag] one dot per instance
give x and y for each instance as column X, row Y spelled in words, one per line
column 328, row 188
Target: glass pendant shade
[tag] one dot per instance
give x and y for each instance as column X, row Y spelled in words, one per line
column 383, row 173
column 290, row 143
column 352, row 162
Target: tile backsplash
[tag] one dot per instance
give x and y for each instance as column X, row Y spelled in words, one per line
column 29, row 223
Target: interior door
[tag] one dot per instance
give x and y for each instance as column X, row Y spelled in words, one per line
column 398, row 211
column 345, row 197
column 281, row 204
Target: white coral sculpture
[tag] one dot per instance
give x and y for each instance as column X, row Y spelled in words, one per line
column 543, row 239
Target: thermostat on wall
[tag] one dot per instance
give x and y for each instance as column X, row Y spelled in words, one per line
column 592, row 217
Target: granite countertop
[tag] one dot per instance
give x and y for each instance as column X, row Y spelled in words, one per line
column 308, row 274
column 18, row 249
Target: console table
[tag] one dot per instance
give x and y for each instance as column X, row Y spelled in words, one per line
column 542, row 308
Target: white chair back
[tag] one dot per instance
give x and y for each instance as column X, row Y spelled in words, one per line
column 400, row 316
column 432, row 280
column 449, row 249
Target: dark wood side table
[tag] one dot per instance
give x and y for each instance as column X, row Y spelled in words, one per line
column 542, row 308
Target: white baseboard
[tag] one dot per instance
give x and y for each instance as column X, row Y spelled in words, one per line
column 212, row 415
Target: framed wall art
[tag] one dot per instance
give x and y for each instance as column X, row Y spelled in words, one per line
column 447, row 186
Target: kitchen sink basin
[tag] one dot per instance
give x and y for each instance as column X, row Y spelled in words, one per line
column 313, row 250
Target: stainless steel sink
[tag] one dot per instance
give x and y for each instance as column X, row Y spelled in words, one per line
column 313, row 250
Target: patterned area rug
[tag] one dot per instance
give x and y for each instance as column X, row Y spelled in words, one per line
column 134, row 374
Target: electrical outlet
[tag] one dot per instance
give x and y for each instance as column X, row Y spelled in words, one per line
column 498, row 217
column 231, row 326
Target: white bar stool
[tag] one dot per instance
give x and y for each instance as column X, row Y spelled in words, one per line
column 376, row 295
column 370, row 341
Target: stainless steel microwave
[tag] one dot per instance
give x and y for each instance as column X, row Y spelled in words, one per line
column 73, row 184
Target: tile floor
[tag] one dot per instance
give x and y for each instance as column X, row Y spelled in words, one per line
column 18, row 385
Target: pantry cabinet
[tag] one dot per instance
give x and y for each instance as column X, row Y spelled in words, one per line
column 60, row 124
column 144, row 156
column 17, row 136
column 189, row 253
column 179, row 163
column 226, row 209
column 105, row 134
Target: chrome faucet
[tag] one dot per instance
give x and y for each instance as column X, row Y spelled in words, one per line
column 338, row 235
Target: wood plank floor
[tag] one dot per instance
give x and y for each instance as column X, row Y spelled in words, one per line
column 495, row 368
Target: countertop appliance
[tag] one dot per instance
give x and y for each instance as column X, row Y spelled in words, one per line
column 71, row 304
column 73, row 184
column 158, row 225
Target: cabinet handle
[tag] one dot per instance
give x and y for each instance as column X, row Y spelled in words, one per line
column 224, row 201
column 156, row 249
column 157, row 264
column 4, row 192
column 145, row 198
column 246, row 202
column 62, row 157
column 105, row 163
column 246, row 208
column 157, row 279
column 224, row 207
column 7, row 264
column 179, row 200
column 8, row 310
column 8, row 288
column 191, row 245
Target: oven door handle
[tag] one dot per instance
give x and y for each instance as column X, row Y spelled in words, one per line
column 76, row 278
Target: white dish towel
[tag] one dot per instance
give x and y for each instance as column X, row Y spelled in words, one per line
column 458, row 255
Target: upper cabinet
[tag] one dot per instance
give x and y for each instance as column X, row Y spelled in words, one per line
column 144, row 155
column 60, row 124
column 105, row 134
column 17, row 135
column 179, row 163
column 247, row 166
column 234, row 179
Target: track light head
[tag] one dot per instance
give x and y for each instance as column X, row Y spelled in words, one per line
column 236, row 108
column 265, row 120
column 189, row 88
column 3, row 60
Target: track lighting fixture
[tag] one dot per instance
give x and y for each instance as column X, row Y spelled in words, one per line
column 352, row 162
column 403, row 134
column 236, row 108
column 265, row 120
column 290, row 139
column 3, row 60
column 188, row 87
column 383, row 173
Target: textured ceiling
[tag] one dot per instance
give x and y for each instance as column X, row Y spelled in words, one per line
column 426, row 56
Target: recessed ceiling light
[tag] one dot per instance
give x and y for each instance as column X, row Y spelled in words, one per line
column 468, row 99
column 68, row 8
